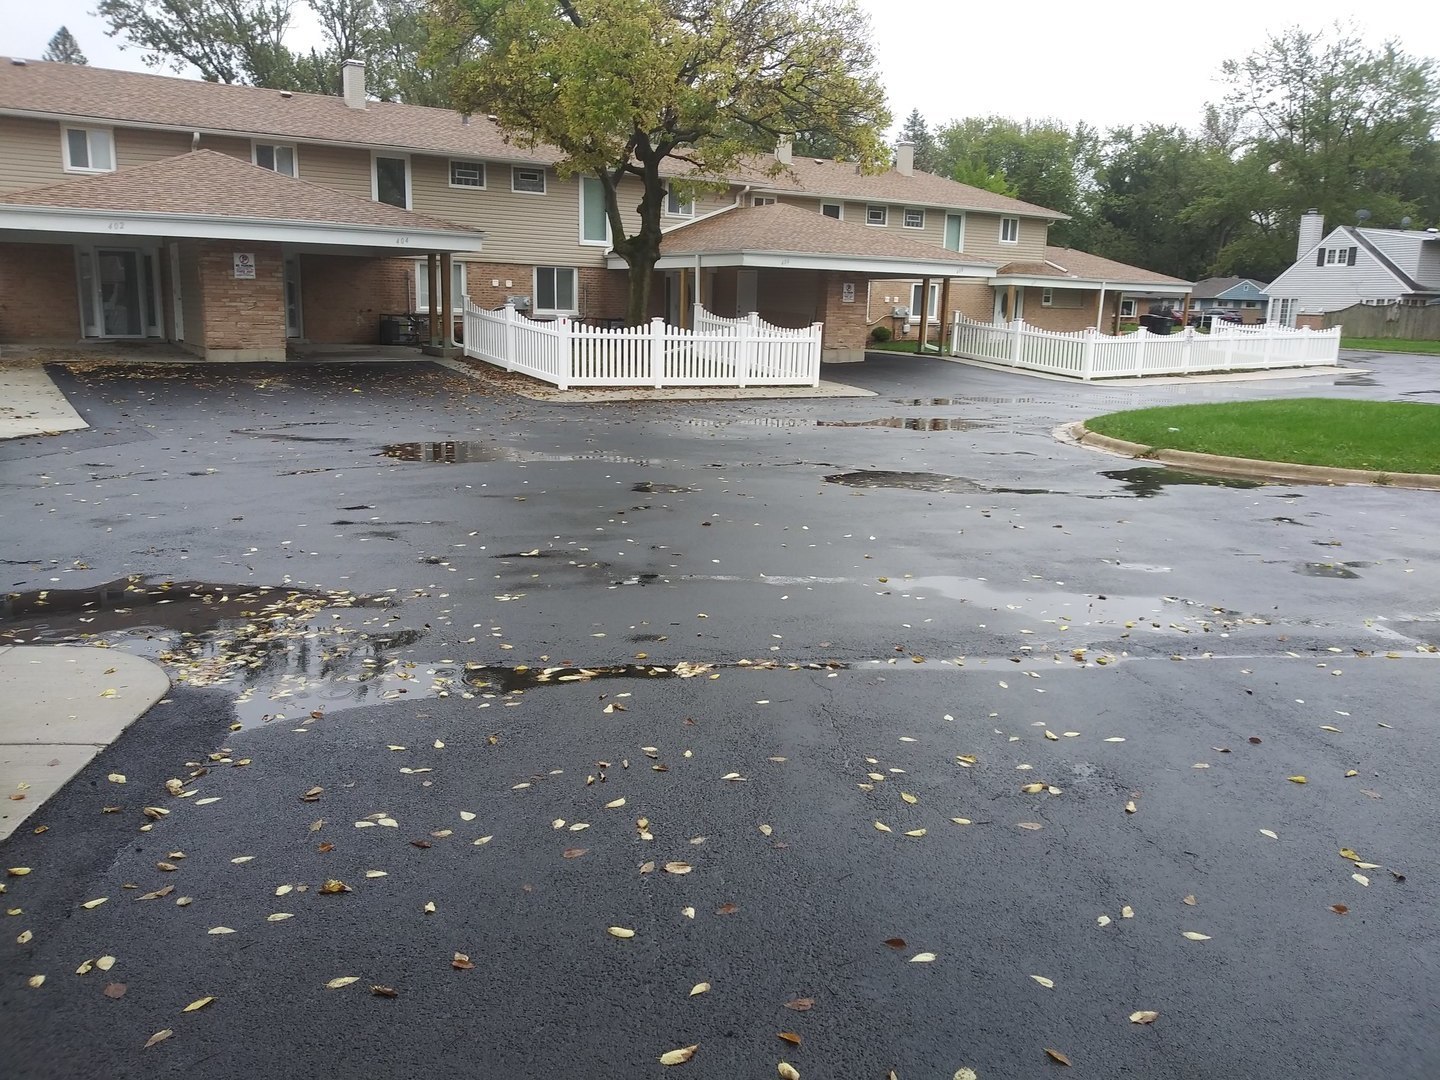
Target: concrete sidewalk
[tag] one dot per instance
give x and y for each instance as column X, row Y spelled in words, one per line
column 62, row 705
column 31, row 403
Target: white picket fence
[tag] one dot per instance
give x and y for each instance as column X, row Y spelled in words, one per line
column 718, row 352
column 1088, row 354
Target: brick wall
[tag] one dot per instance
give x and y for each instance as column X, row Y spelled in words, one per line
column 38, row 299
column 1068, row 319
column 1310, row 322
column 343, row 296
column 846, row 325
column 973, row 299
column 245, row 316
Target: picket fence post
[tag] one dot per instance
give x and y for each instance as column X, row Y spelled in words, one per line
column 565, row 340
column 817, row 345
column 509, row 337
column 745, row 360
column 1017, row 327
column 657, row 352
column 1087, row 354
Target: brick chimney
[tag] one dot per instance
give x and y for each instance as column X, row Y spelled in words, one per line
column 1312, row 229
column 352, row 81
column 783, row 147
column 905, row 158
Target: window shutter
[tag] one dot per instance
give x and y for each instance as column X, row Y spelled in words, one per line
column 1352, row 256
column 1319, row 256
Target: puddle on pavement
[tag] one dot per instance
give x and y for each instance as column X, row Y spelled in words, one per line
column 1414, row 393
column 1289, row 521
column 500, row 679
column 1355, row 380
column 907, row 423
column 286, row 652
column 911, row 481
column 286, row 436
column 1147, row 481
column 1327, row 570
column 467, row 452
column 647, row 488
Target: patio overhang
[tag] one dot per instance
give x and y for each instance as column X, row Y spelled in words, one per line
column 1040, row 281
column 57, row 224
column 867, row 265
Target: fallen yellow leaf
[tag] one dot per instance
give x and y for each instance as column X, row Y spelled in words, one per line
column 699, row 988
column 343, row 980
column 198, row 1004
column 1144, row 1016
column 158, row 1037
column 678, row 1057
column 911, row 799
column 1049, row 984
column 279, row 916
column 1193, row 936
column 883, row 827
column 678, row 868
column 923, row 958
column 788, row 1071
column 615, row 804
column 35, row 981
column 1297, row 779
column 622, row 932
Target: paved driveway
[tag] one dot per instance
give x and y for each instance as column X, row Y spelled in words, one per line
column 940, row 744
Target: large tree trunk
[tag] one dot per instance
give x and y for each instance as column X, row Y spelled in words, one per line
column 641, row 274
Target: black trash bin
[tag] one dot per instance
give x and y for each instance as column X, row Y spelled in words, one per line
column 1157, row 324
column 397, row 330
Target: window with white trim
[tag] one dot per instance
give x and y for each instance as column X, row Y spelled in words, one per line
column 955, row 232
column 833, row 210
column 1009, row 230
column 1059, row 298
column 277, row 157
column 390, row 181
column 457, row 286
column 88, row 149
column 933, row 308
column 678, row 207
column 914, row 219
column 594, row 224
column 529, row 181
column 762, row 200
column 876, row 215
column 1127, row 308
column 467, row 174
column 555, row 291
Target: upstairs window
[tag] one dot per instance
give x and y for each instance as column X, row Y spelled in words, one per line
column 876, row 215
column 594, row 225
column 88, row 150
column 529, row 181
column 955, row 232
column 1335, row 257
column 762, row 200
column 833, row 210
column 1009, row 230
column 678, row 207
column 277, row 157
column 467, row 174
column 914, row 219
column 391, row 182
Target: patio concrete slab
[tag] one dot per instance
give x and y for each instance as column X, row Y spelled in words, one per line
column 62, row 706
column 31, row 403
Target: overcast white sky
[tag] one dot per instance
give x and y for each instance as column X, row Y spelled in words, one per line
column 1105, row 63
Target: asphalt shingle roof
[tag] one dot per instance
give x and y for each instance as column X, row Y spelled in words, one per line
column 210, row 184
column 787, row 229
column 1062, row 263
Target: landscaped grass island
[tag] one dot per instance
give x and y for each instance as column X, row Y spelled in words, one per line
column 1381, row 436
column 1400, row 345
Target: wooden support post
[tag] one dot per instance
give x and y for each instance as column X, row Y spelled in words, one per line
column 1010, row 315
column 924, row 315
column 447, row 302
column 432, row 294
column 684, row 313
column 945, row 316
column 1185, row 312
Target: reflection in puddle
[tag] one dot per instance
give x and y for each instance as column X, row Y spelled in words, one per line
column 467, row 451
column 912, row 481
column 507, row 680
column 1148, row 481
column 907, row 423
column 1327, row 570
column 288, row 652
column 646, row 487
column 1355, row 380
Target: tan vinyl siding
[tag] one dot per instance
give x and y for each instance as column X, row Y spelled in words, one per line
column 982, row 230
column 339, row 167
column 982, row 237
column 138, row 146
column 233, row 146
column 29, row 153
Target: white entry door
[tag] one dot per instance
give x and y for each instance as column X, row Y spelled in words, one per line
column 177, row 304
column 1001, row 314
column 294, row 327
column 747, row 291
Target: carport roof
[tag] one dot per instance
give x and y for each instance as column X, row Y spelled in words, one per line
column 1067, row 268
column 793, row 238
column 216, row 196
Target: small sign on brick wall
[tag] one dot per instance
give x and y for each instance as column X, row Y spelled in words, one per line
column 847, row 292
column 244, row 265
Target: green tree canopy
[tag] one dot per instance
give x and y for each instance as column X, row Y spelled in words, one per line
column 64, row 49
column 915, row 130
column 631, row 90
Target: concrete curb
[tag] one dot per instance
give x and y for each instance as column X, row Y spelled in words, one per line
column 1132, row 382
column 63, row 705
column 1250, row 467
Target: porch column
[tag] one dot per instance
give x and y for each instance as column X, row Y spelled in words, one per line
column 431, row 294
column 684, row 296
column 1185, row 312
column 1100, row 310
column 924, row 314
column 945, row 318
column 1009, row 303
column 447, row 302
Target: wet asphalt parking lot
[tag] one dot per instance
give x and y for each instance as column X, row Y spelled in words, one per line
column 941, row 744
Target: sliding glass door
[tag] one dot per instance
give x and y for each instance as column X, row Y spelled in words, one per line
column 119, row 295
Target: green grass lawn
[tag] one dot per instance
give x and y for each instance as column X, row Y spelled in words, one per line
column 1386, row 436
column 1375, row 344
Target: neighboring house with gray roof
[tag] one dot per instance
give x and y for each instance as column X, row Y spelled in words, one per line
column 238, row 221
column 1355, row 265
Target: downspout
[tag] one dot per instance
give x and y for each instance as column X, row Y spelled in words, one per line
column 1100, row 314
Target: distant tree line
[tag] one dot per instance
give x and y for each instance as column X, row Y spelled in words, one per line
column 1312, row 119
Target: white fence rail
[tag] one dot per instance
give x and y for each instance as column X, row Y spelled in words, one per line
column 719, row 352
column 1088, row 354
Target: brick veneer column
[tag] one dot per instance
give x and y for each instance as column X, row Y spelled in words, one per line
column 244, row 319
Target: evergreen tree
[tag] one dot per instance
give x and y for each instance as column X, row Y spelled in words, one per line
column 64, row 49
